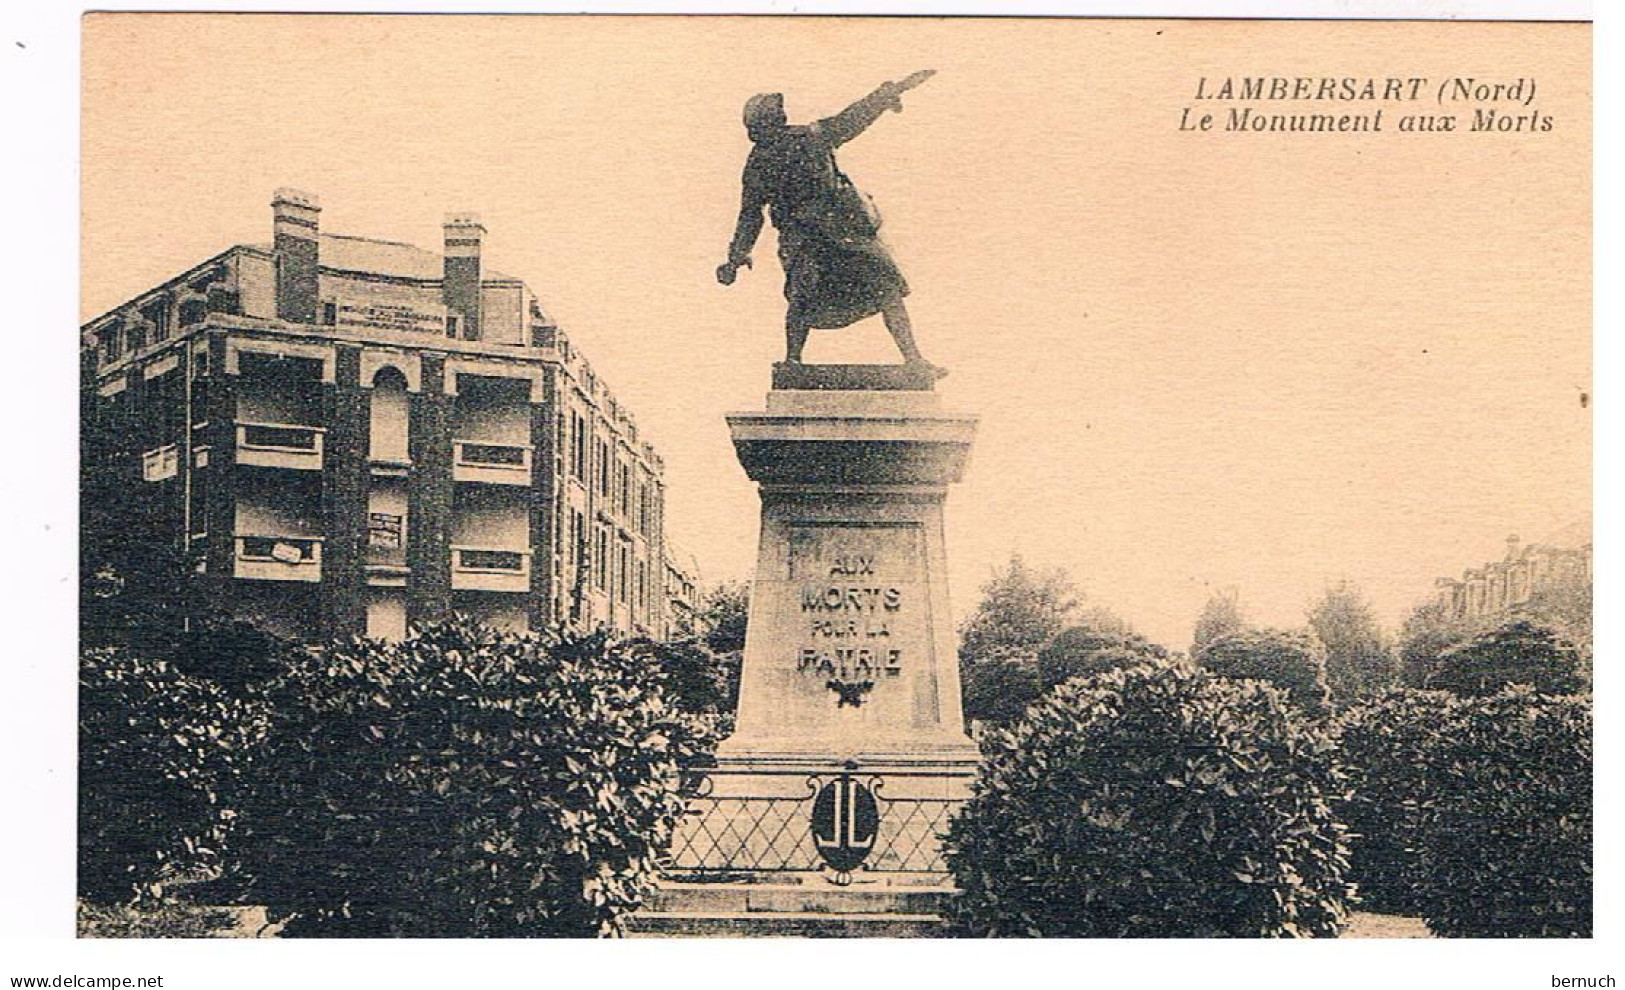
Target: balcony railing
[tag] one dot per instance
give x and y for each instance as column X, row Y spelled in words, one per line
column 490, row 569
column 492, row 463
column 284, row 445
column 279, row 558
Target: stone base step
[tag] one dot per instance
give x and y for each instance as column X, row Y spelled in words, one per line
column 718, row 898
column 782, row 924
column 791, row 878
column 794, row 907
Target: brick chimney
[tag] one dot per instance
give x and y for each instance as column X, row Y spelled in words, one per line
column 460, row 288
column 296, row 220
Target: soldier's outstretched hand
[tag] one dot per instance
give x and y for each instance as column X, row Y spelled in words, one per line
column 897, row 89
column 915, row 79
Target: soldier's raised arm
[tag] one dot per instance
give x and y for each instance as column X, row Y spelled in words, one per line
column 855, row 119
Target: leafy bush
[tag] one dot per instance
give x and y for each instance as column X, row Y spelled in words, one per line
column 1079, row 651
column 154, row 919
column 1389, row 746
column 1508, row 819
column 1153, row 801
column 1473, row 812
column 465, row 782
column 1292, row 661
column 1425, row 635
column 698, row 680
column 998, row 691
column 237, row 655
column 1518, row 652
column 160, row 757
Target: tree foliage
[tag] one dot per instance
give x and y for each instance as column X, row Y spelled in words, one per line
column 1518, row 652
column 1221, row 616
column 724, row 615
column 1474, row 812
column 1564, row 606
column 161, row 756
column 1020, row 612
column 1292, row 661
column 1388, row 745
column 998, row 691
column 1153, row 801
column 1508, row 819
column 1425, row 635
column 1093, row 648
column 698, row 681
column 465, row 782
column 1359, row 662
column 703, row 670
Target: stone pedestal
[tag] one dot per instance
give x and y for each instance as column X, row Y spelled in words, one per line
column 851, row 651
column 850, row 663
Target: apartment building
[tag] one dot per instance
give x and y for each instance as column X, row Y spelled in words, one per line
column 344, row 435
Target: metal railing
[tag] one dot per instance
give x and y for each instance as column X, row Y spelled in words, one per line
column 500, row 463
column 280, row 436
column 774, row 832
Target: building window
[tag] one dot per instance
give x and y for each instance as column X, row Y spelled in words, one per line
column 578, row 446
column 603, row 467
column 223, row 300
column 157, row 465
column 112, row 342
column 193, row 311
column 330, row 314
column 646, row 511
column 600, row 558
column 453, row 321
column 157, row 315
column 385, row 531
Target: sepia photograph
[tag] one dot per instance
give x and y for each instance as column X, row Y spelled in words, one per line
column 730, row 476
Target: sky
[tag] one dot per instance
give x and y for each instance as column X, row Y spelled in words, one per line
column 1201, row 361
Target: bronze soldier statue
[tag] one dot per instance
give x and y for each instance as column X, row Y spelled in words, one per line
column 836, row 268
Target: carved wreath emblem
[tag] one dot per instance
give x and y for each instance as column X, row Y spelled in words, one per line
column 849, row 692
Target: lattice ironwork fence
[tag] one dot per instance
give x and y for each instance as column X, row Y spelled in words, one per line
column 773, row 831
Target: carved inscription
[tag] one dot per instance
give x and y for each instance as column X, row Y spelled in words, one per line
column 850, row 622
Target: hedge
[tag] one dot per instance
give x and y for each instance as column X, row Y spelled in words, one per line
column 465, row 782
column 1293, row 661
column 1508, row 819
column 1475, row 813
column 162, row 755
column 1389, row 745
column 1518, row 652
column 1153, row 801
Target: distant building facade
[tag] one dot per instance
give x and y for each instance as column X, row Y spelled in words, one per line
column 343, row 435
column 682, row 594
column 1564, row 559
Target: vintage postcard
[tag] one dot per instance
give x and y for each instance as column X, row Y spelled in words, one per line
column 878, row 477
